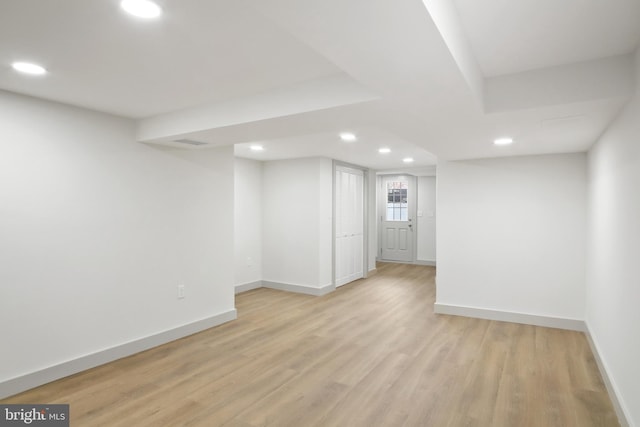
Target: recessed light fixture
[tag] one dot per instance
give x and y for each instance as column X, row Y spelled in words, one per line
column 347, row 137
column 503, row 141
column 408, row 160
column 141, row 8
column 29, row 68
column 257, row 147
column 384, row 150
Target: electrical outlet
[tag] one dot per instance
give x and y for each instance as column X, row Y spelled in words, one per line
column 180, row 291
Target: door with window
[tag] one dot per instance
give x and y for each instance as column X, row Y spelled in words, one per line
column 349, row 225
column 397, row 218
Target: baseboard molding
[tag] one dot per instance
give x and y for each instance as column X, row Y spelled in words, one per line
column 300, row 289
column 416, row 262
column 248, row 286
column 47, row 375
column 288, row 287
column 612, row 389
column 507, row 316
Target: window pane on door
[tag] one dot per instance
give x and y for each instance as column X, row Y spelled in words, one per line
column 397, row 209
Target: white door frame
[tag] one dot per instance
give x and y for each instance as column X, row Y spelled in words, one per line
column 365, row 222
column 381, row 197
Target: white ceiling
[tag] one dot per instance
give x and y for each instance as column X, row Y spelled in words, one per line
column 100, row 58
column 438, row 78
column 364, row 151
column 511, row 36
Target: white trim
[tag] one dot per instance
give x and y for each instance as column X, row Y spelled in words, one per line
column 300, row 289
column 55, row 372
column 248, row 286
column 508, row 316
column 390, row 261
column 612, row 388
column 288, row 287
column 425, row 262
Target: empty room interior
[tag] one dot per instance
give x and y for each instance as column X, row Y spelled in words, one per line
column 321, row 213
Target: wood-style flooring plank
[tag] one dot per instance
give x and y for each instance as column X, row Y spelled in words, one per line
column 372, row 353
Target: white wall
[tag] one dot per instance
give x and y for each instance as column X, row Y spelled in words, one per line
column 613, row 282
column 297, row 217
column 324, row 230
column 426, row 224
column 511, row 235
column 97, row 232
column 372, row 219
column 248, row 221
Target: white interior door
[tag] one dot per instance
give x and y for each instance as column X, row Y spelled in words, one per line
column 349, row 225
column 397, row 218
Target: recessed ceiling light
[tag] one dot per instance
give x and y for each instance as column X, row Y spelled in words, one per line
column 384, row 150
column 347, row 137
column 29, row 68
column 408, row 159
column 503, row 141
column 257, row 148
column 141, row 8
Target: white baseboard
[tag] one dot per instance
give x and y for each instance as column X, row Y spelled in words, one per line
column 44, row 376
column 507, row 316
column 248, row 286
column 300, row 289
column 416, row 262
column 612, row 389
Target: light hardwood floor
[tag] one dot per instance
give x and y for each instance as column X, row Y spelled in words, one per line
column 371, row 353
